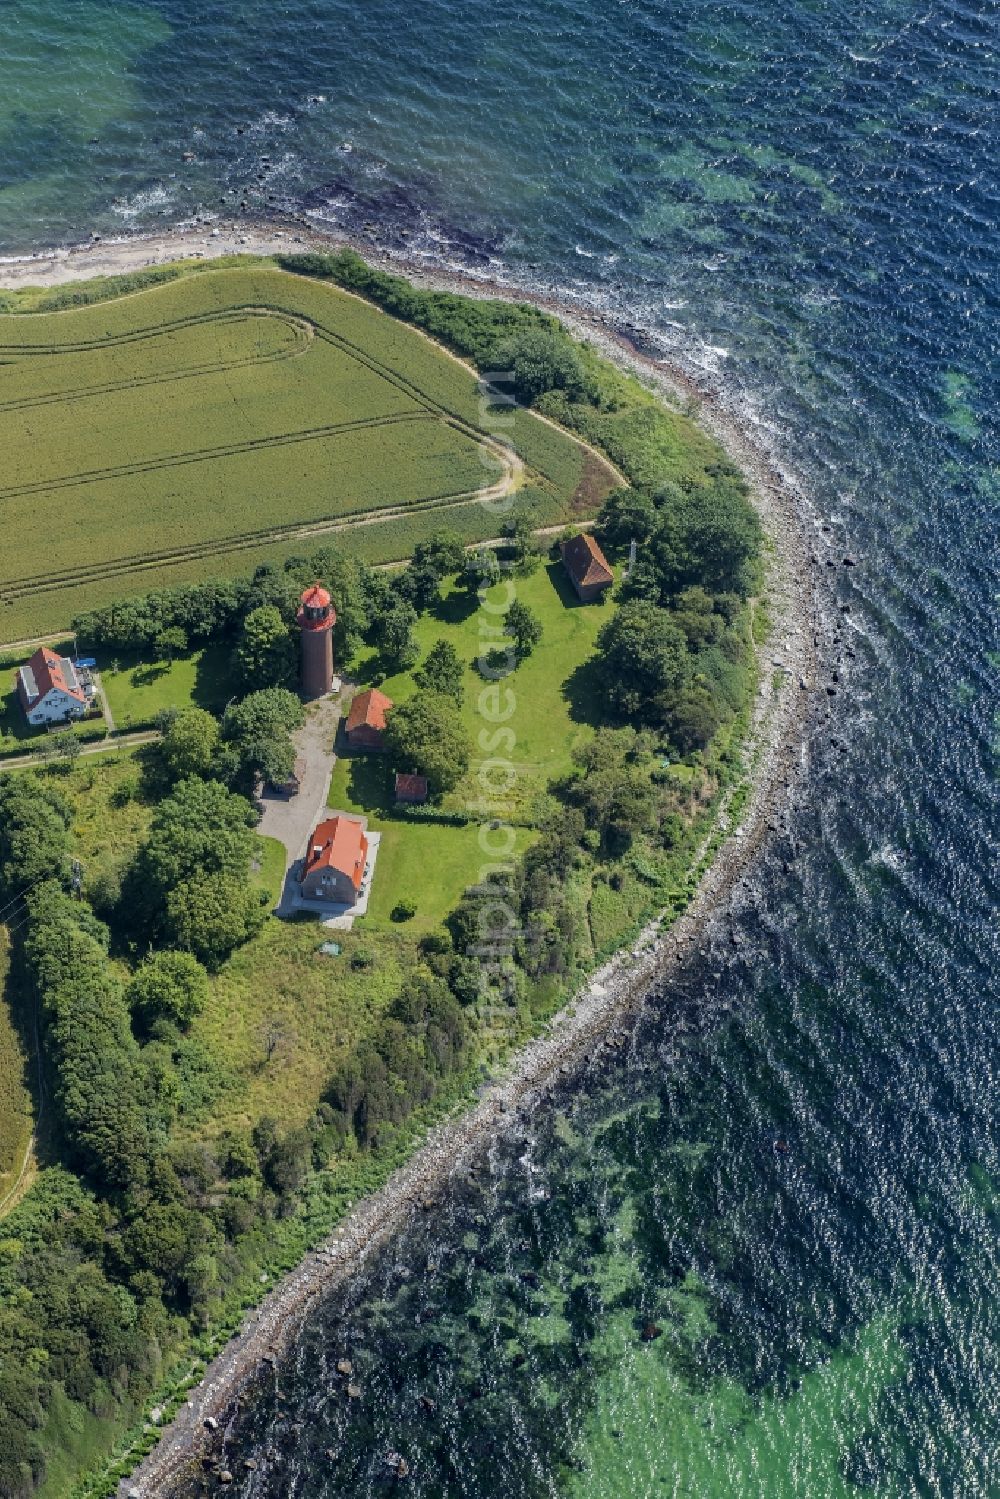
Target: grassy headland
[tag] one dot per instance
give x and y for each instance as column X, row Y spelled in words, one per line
column 224, row 1091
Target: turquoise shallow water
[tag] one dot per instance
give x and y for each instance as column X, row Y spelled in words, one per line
column 802, row 200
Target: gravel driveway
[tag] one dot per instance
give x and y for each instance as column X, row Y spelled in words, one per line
column 291, row 819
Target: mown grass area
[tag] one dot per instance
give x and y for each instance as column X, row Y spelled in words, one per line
column 553, row 693
column 17, row 1111
column 426, row 862
column 139, row 690
column 269, row 870
column 171, row 426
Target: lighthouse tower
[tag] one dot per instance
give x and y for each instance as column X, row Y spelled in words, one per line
column 316, row 619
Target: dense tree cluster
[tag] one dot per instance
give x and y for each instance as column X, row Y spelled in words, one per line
column 34, row 833
column 426, row 735
column 257, row 739
column 423, row 1038
column 191, row 879
column 100, row 1089
column 433, row 560
column 676, row 654
column 229, row 609
column 473, row 328
column 265, row 654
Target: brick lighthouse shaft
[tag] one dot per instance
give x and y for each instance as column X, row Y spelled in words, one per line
column 316, row 619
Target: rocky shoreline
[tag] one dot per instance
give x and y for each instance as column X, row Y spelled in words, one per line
column 789, row 696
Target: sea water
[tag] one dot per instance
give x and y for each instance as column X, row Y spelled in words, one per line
column 756, row 1253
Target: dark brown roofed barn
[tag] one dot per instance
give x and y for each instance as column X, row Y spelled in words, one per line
column 366, row 720
column 588, row 568
column 411, row 788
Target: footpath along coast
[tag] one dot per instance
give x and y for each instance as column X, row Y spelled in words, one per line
column 789, row 698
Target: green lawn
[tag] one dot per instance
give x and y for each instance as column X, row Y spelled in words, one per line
column 270, row 876
column 427, row 863
column 139, row 690
column 553, row 693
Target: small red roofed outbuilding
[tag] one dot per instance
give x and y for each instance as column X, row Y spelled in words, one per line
column 588, row 568
column 410, row 788
column 366, row 720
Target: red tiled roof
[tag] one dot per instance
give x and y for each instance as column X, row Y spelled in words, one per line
column 338, row 843
column 369, row 708
column 585, row 562
column 411, row 788
column 47, row 669
column 315, row 597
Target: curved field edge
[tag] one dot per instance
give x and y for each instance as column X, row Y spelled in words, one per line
column 195, row 506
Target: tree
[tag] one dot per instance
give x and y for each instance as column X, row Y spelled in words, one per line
column 613, row 790
column 641, row 657
column 258, row 733
column 99, row 1084
column 426, row 735
column 212, row 914
column 481, row 571
column 199, row 831
column 524, row 628
column 433, row 560
column 541, row 359
column 263, row 715
column 189, row 742
column 694, row 613
column 34, row 832
column 692, row 716
column 521, row 550
column 265, row 652
column 169, row 642
column 627, row 515
column 66, row 745
column 442, row 671
column 171, row 985
column 709, row 538
column 394, row 634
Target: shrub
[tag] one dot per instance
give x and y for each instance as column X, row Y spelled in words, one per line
column 171, row 985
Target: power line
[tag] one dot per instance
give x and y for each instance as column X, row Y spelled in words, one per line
column 18, row 898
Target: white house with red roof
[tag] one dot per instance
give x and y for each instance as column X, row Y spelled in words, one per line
column 336, row 861
column 51, row 689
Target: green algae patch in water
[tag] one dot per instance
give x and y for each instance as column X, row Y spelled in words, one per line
column 653, row 1432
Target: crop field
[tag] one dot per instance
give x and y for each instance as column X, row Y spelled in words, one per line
column 200, row 426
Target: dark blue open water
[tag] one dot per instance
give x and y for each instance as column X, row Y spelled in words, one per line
column 803, row 197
